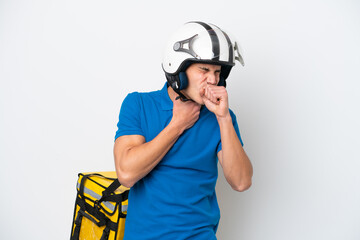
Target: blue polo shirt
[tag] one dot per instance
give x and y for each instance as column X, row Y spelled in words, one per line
column 177, row 199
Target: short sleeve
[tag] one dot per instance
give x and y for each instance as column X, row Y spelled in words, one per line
column 236, row 127
column 130, row 116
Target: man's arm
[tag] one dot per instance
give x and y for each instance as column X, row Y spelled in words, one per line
column 135, row 158
column 236, row 165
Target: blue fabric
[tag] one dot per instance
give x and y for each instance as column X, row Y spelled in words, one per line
column 177, row 199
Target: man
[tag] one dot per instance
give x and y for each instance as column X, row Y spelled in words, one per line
column 168, row 141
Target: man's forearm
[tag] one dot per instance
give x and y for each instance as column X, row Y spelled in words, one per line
column 135, row 162
column 234, row 161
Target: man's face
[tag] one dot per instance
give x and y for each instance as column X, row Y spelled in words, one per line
column 200, row 75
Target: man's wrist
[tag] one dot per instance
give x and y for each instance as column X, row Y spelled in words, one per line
column 175, row 127
column 224, row 119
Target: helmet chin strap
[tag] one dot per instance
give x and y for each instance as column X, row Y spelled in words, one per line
column 182, row 96
column 173, row 84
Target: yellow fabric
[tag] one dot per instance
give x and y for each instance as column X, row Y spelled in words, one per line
column 93, row 188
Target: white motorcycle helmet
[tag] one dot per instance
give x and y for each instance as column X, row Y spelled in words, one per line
column 198, row 42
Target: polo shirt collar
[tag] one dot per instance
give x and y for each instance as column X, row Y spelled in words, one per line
column 166, row 103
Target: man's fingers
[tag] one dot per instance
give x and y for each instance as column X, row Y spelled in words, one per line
column 214, row 94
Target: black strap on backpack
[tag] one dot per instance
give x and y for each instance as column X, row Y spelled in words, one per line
column 99, row 218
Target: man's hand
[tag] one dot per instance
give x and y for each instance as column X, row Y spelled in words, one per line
column 216, row 100
column 185, row 114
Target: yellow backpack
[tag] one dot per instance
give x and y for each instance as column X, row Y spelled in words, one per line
column 100, row 207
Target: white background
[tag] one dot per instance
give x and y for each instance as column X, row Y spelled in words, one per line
column 66, row 66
